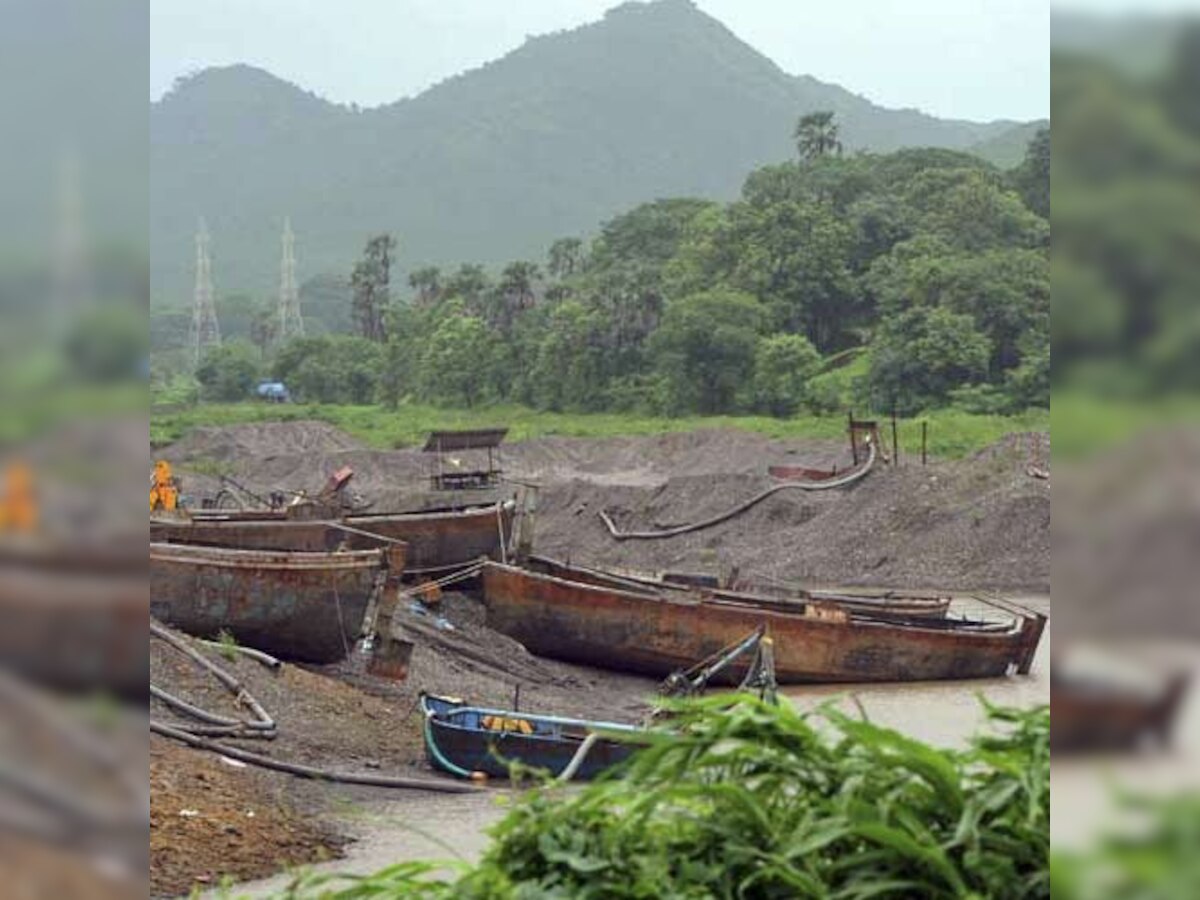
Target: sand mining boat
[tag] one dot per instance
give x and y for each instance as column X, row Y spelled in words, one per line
column 75, row 617
column 439, row 540
column 892, row 605
column 303, row 606
column 1088, row 715
column 463, row 740
column 653, row 632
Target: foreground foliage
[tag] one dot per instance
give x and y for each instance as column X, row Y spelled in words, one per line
column 1158, row 861
column 754, row 801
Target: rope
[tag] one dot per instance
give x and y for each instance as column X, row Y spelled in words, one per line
column 500, row 530
column 849, row 478
column 460, row 575
column 437, row 754
column 342, row 526
column 580, row 755
column 337, row 600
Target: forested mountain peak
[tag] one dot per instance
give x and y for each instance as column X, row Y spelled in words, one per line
column 655, row 99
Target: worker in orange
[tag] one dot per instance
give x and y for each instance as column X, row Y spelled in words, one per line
column 164, row 490
column 18, row 505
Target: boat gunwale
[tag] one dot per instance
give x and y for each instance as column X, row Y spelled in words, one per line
column 236, row 558
column 890, row 603
column 1002, row 633
column 601, row 729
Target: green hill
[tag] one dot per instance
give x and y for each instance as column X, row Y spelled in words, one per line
column 656, row 99
column 1007, row 148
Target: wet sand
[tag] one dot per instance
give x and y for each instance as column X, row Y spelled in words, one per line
column 396, row 828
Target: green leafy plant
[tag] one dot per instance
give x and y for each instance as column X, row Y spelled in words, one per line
column 743, row 799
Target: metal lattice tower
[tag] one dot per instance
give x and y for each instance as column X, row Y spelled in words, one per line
column 205, row 331
column 71, row 287
column 291, row 324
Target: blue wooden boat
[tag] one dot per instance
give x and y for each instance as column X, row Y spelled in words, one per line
column 466, row 740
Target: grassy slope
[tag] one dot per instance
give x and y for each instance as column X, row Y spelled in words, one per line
column 951, row 433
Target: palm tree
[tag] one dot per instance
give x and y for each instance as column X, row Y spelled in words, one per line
column 816, row 136
column 427, row 282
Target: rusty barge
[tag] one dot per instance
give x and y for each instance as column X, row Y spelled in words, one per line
column 891, row 605
column 75, row 617
column 440, row 540
column 304, row 606
column 654, row 632
column 1087, row 715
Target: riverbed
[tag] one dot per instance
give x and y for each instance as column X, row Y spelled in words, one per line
column 392, row 828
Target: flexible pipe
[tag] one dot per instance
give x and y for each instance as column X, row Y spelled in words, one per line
column 266, row 762
column 741, row 508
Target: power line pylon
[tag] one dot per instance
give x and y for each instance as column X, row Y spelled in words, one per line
column 205, row 331
column 291, row 323
column 71, row 287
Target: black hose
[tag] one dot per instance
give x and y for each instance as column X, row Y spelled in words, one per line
column 849, row 478
column 263, row 726
column 265, row 762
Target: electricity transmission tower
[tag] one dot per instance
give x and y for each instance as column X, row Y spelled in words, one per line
column 205, row 331
column 291, row 324
column 71, row 286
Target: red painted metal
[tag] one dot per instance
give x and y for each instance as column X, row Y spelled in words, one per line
column 655, row 634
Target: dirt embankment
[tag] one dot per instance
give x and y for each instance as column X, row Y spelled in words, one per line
column 212, row 819
column 976, row 523
column 981, row 522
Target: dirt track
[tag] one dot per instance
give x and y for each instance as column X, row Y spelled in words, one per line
column 978, row 523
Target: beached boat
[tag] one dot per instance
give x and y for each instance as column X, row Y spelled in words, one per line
column 1089, row 715
column 891, row 605
column 656, row 632
column 304, row 606
column 463, row 740
column 75, row 617
column 435, row 540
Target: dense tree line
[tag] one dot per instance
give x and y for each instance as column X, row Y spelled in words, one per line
column 926, row 270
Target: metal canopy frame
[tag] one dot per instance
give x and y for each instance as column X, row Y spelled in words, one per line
column 457, row 478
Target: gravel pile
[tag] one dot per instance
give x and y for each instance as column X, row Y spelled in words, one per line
column 977, row 523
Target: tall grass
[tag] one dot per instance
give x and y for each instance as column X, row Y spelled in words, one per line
column 952, row 433
column 742, row 799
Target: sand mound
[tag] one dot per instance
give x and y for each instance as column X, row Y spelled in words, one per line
column 258, row 440
column 977, row 523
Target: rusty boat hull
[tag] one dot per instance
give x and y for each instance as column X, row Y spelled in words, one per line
column 656, row 633
column 308, row 607
column 1088, row 716
column 446, row 539
column 435, row 540
column 889, row 605
column 75, row 620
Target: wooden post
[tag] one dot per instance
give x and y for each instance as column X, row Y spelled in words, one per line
column 895, row 440
column 924, row 441
column 853, row 436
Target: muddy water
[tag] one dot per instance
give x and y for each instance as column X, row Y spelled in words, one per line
column 1083, row 804
column 442, row 827
column 943, row 713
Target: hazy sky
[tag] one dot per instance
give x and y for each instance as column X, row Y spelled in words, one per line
column 974, row 59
